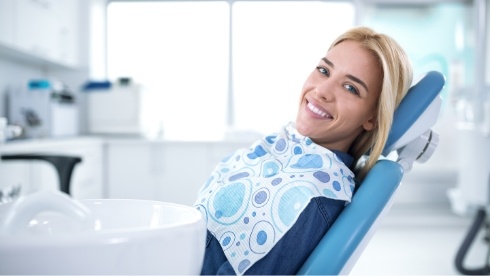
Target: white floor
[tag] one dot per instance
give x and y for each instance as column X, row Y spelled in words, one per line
column 417, row 239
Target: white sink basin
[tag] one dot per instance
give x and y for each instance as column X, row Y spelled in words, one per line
column 49, row 233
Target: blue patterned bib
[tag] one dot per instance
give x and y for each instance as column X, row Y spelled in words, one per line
column 254, row 196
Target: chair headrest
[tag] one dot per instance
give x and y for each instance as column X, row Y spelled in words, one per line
column 417, row 112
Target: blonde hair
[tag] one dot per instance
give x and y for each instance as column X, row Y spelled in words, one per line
column 396, row 80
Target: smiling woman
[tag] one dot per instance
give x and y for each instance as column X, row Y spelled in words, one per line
column 304, row 173
column 199, row 60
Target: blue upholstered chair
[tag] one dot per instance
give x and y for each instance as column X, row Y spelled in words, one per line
column 413, row 140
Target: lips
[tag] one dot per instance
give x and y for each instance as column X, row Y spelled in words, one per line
column 318, row 111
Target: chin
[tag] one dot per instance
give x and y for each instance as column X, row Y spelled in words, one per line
column 304, row 129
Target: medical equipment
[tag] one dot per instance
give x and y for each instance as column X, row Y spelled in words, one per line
column 47, row 109
column 472, row 194
column 412, row 138
column 106, row 117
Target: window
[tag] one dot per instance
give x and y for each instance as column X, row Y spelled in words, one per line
column 180, row 51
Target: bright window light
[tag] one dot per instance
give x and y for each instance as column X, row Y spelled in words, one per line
column 180, row 52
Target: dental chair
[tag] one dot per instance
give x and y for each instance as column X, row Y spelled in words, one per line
column 413, row 140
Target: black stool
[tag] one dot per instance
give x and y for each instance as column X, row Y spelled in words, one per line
column 64, row 165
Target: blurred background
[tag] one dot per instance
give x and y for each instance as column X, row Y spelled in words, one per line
column 151, row 94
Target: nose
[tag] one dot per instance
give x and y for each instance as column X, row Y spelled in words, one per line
column 324, row 91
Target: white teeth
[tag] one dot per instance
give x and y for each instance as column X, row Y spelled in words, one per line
column 315, row 110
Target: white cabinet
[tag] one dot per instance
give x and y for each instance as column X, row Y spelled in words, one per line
column 41, row 30
column 184, row 169
column 131, row 170
column 35, row 28
column 68, row 14
column 171, row 172
column 166, row 171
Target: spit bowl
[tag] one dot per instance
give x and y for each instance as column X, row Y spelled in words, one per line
column 51, row 233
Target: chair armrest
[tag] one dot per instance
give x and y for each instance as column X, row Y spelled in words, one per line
column 346, row 239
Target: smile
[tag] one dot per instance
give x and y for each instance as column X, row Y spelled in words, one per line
column 318, row 111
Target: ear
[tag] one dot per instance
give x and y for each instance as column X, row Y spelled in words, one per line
column 370, row 123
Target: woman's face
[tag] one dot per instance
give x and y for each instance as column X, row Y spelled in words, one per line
column 339, row 98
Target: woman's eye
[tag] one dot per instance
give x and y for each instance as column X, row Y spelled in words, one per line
column 351, row 89
column 323, row 70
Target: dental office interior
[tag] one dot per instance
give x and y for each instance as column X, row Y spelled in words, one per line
column 151, row 95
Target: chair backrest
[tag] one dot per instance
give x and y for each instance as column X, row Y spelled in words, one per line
column 341, row 247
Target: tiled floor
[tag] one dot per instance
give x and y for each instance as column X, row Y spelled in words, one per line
column 421, row 240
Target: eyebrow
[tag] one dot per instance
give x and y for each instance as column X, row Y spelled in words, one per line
column 356, row 79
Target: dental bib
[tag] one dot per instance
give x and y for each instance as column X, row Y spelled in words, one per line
column 254, row 196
